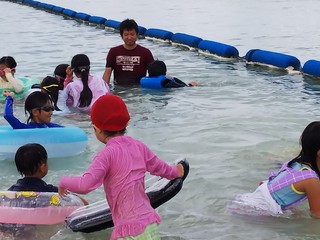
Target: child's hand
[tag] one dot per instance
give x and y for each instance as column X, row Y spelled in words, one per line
column 7, row 93
column 7, row 70
column 69, row 71
column 62, row 192
column 180, row 169
column 193, row 83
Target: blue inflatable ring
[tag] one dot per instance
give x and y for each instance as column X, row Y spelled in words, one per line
column 28, row 82
column 152, row 82
column 59, row 142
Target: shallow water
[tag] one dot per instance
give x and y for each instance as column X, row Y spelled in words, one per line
column 238, row 125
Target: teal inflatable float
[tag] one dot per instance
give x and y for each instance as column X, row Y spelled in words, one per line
column 28, row 82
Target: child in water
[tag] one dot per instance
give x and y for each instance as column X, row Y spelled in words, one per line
column 37, row 104
column 7, row 69
column 85, row 89
column 159, row 68
column 31, row 163
column 60, row 73
column 52, row 87
column 121, row 167
column 296, row 181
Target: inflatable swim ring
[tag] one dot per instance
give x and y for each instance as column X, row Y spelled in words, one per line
column 44, row 208
column 97, row 216
column 152, row 82
column 59, row 142
column 28, row 82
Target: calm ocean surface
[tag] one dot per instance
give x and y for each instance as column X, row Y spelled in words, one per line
column 238, row 125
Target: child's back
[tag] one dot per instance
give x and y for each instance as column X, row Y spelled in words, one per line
column 85, row 89
column 121, row 166
column 157, row 71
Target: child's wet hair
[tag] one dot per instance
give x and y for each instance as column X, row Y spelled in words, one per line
column 60, row 70
column 29, row 158
column 8, row 61
column 80, row 64
column 35, row 100
column 157, row 68
column 310, row 146
column 51, row 86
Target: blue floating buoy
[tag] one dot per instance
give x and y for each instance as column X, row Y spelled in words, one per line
column 158, row 34
column 112, row 24
column 185, row 39
column 141, row 30
column 41, row 5
column 69, row 12
column 48, row 7
column 312, row 67
column 97, row 20
column 57, row 9
column 82, row 16
column 272, row 58
column 30, row 2
column 220, row 49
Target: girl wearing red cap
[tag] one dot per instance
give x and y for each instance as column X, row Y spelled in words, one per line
column 121, row 166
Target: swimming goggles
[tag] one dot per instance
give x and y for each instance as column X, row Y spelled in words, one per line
column 46, row 108
column 49, row 86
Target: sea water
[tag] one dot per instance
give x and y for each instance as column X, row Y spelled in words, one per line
column 240, row 123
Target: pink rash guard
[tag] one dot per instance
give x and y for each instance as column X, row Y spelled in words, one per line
column 121, row 166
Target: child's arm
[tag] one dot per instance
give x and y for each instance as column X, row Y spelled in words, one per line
column 8, row 111
column 91, row 179
column 158, row 167
column 17, row 84
column 311, row 187
column 63, row 192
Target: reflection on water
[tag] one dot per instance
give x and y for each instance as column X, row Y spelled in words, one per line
column 312, row 84
column 239, row 124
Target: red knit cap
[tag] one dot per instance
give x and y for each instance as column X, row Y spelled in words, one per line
column 110, row 113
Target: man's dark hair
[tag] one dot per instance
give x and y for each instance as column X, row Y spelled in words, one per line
column 128, row 24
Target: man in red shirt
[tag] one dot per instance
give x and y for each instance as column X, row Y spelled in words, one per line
column 129, row 61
